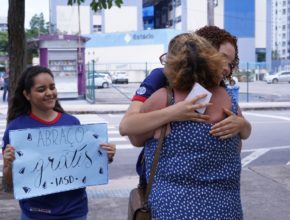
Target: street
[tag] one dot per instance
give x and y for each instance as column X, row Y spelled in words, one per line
column 267, row 145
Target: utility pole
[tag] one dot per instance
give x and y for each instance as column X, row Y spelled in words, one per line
column 174, row 18
column 211, row 4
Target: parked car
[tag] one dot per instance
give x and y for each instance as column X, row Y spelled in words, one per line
column 282, row 76
column 120, row 77
column 101, row 79
column 107, row 74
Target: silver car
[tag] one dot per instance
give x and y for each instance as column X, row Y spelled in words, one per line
column 282, row 76
column 120, row 77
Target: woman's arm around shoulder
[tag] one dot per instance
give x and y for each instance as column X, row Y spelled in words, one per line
column 141, row 119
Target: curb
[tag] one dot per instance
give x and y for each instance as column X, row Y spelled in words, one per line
column 264, row 105
column 85, row 108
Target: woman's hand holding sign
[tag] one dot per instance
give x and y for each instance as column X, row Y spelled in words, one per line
column 111, row 150
column 9, row 155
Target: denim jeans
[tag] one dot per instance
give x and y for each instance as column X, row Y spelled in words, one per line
column 5, row 92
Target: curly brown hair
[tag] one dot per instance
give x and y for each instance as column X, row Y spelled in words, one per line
column 192, row 59
column 217, row 37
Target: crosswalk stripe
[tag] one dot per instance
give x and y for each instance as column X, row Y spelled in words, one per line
column 124, row 146
column 253, row 156
column 115, row 139
column 115, row 115
column 268, row 148
column 113, row 132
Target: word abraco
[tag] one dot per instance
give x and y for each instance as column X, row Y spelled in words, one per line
column 47, row 137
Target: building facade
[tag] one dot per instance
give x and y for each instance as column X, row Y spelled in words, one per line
column 73, row 19
column 280, row 29
column 245, row 19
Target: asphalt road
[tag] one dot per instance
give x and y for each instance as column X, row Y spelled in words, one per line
column 268, row 144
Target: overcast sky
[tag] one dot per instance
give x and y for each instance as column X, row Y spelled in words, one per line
column 32, row 7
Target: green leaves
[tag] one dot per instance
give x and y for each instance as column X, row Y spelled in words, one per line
column 3, row 43
column 72, row 2
column 98, row 4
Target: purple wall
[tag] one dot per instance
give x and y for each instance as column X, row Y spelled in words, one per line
column 43, row 57
column 81, row 72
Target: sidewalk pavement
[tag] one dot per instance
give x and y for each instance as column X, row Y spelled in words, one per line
column 265, row 190
column 83, row 107
column 265, row 193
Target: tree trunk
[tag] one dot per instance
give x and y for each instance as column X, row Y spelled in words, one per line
column 16, row 49
column 17, row 42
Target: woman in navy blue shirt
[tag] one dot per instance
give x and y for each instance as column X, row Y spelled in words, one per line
column 35, row 105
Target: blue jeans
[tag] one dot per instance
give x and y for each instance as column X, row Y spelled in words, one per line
column 24, row 217
column 5, row 92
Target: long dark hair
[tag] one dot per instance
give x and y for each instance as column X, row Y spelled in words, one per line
column 19, row 104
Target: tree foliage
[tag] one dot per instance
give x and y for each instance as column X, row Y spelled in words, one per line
column 3, row 43
column 98, row 4
column 38, row 26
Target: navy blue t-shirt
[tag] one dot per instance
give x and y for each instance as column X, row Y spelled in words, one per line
column 63, row 205
column 154, row 81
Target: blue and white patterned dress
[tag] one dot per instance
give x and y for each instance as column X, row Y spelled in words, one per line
column 198, row 175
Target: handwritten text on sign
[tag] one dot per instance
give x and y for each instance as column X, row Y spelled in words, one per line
column 56, row 159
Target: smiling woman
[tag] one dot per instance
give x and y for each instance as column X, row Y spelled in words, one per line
column 35, row 105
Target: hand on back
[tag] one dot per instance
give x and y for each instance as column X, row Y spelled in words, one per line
column 187, row 110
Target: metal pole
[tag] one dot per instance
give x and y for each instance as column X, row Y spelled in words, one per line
column 211, row 4
column 173, row 19
column 210, row 12
column 146, row 69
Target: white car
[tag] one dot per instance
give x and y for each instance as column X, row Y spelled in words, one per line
column 120, row 77
column 101, row 80
column 282, row 76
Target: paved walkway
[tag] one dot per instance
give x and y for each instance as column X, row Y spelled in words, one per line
column 265, row 195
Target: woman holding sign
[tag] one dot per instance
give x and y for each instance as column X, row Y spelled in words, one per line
column 35, row 105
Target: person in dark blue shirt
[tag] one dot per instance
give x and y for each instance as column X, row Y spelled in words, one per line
column 136, row 123
column 35, row 105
